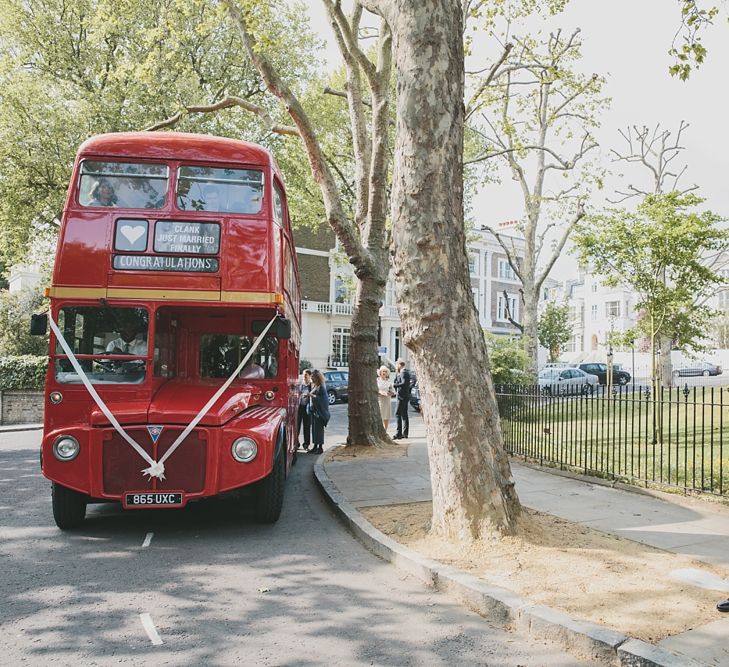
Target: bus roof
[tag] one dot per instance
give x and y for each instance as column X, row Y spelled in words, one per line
column 175, row 146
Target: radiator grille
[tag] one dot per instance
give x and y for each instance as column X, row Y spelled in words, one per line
column 184, row 470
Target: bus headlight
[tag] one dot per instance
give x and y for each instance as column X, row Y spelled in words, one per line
column 244, row 450
column 66, row 448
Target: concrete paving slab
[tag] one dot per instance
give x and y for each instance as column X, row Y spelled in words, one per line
column 708, row 644
column 714, row 550
column 683, row 525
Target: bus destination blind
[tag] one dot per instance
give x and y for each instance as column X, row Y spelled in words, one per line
column 166, row 263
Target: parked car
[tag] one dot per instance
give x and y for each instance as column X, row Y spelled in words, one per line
column 561, row 381
column 698, row 368
column 415, row 398
column 337, row 385
column 601, row 370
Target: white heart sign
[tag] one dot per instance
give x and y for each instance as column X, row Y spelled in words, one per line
column 131, row 234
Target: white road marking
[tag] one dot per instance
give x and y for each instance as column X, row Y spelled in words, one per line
column 149, row 628
column 147, row 540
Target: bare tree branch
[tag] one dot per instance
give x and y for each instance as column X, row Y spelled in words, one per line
column 227, row 102
column 473, row 105
column 346, row 232
column 508, row 313
column 655, row 151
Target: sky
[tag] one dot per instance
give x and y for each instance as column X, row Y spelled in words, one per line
column 627, row 41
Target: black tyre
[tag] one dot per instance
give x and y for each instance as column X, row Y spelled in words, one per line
column 69, row 506
column 270, row 491
column 622, row 380
column 332, row 396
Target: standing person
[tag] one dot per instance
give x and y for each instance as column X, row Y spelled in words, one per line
column 303, row 416
column 319, row 406
column 402, row 387
column 385, row 394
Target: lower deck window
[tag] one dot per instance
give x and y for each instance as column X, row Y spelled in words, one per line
column 221, row 354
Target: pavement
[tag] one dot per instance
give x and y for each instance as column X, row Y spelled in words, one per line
column 690, row 526
column 14, row 428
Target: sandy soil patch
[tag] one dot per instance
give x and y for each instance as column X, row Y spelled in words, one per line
column 590, row 575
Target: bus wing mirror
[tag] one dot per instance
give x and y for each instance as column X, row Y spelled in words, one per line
column 39, row 324
column 281, row 328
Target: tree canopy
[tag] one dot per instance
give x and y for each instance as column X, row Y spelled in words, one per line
column 71, row 70
column 554, row 329
column 655, row 251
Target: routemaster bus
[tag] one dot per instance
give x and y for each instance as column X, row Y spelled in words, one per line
column 175, row 326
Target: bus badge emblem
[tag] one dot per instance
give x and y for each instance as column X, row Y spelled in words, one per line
column 155, row 432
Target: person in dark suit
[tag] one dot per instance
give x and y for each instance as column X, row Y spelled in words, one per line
column 319, row 408
column 304, row 417
column 401, row 384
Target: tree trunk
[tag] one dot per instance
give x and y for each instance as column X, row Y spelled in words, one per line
column 530, row 322
column 473, row 490
column 365, row 423
column 666, row 369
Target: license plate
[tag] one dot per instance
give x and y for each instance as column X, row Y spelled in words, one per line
column 144, row 499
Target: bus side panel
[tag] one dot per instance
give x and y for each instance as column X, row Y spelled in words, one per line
column 85, row 258
column 246, row 265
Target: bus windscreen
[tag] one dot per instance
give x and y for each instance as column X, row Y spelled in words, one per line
column 93, row 334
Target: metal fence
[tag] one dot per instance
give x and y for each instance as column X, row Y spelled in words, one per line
column 674, row 437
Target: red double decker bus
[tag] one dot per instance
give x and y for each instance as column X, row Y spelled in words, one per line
column 175, row 327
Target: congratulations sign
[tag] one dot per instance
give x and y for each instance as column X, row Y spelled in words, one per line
column 165, row 263
column 193, row 238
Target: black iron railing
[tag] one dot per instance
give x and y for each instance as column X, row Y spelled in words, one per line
column 674, row 437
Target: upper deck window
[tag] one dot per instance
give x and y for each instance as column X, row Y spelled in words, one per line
column 220, row 190
column 277, row 205
column 123, row 184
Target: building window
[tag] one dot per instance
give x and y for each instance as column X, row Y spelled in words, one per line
column 505, row 270
column 612, row 309
column 474, row 291
column 343, row 289
column 593, row 311
column 390, row 294
column 594, row 287
column 340, row 346
column 473, row 263
column 513, row 307
column 549, row 293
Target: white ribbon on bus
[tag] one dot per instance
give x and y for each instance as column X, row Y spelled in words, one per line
column 156, row 468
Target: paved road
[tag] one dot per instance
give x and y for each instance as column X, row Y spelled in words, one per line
column 217, row 588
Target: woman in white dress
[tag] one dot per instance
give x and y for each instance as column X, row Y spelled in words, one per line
column 385, row 394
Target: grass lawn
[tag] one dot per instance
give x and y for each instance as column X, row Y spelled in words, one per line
column 680, row 440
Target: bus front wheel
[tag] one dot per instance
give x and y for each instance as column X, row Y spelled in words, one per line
column 270, row 492
column 69, row 506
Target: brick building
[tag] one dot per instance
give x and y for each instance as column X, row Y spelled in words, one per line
column 327, row 288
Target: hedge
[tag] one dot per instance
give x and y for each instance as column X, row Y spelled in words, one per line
column 23, row 372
